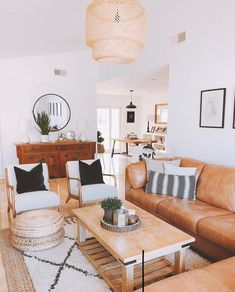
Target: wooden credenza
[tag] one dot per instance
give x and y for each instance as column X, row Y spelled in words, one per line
column 55, row 154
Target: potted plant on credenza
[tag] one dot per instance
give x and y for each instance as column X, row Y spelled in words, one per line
column 43, row 121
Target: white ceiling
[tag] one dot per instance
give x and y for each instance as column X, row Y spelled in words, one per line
column 150, row 82
column 38, row 27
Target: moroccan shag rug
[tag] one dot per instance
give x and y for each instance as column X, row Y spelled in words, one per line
column 62, row 268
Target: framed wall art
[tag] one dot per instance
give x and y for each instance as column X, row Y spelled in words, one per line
column 130, row 117
column 161, row 113
column 212, row 108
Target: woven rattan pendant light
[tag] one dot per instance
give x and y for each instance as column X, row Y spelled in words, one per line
column 115, row 30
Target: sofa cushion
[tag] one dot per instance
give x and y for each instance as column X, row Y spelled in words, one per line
column 219, row 230
column 188, row 162
column 216, row 186
column 146, row 200
column 95, row 192
column 224, row 271
column 136, row 174
column 186, row 214
column 193, row 281
column 180, row 186
column 218, row 277
column 36, row 200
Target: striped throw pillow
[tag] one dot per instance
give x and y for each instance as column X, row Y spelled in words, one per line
column 180, row 186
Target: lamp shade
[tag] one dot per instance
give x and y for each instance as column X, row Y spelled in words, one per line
column 131, row 105
column 23, row 125
column 115, row 30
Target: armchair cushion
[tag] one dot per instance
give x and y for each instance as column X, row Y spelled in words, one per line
column 29, row 181
column 95, row 191
column 36, row 200
column 91, row 173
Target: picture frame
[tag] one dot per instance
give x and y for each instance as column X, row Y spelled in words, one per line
column 161, row 113
column 152, row 129
column 130, row 117
column 212, row 108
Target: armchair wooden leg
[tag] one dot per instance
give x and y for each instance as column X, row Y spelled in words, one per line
column 68, row 198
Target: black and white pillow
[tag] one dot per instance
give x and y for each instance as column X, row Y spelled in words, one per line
column 180, row 186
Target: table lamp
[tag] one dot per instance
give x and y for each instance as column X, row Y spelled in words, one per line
column 82, row 127
column 23, row 128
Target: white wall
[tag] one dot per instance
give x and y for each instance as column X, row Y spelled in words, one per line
column 24, row 80
column 145, row 106
column 121, row 102
column 205, row 61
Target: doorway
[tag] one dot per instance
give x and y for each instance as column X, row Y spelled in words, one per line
column 109, row 124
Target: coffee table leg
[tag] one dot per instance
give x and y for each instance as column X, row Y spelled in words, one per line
column 127, row 278
column 81, row 233
column 180, row 261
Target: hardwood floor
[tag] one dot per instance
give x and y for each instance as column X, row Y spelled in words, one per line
column 115, row 165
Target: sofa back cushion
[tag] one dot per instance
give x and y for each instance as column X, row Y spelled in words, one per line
column 136, row 174
column 188, row 162
column 216, row 186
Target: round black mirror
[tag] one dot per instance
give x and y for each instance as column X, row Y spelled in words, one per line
column 57, row 109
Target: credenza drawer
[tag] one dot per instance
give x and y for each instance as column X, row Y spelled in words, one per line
column 55, row 154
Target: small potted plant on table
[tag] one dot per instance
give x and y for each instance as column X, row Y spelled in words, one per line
column 110, row 205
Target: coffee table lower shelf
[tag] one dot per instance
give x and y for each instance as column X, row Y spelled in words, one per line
column 111, row 270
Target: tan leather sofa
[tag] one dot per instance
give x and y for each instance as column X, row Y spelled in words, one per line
column 210, row 218
column 218, row 277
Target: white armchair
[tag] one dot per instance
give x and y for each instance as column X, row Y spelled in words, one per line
column 30, row 200
column 87, row 194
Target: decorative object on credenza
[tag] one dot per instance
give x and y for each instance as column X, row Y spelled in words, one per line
column 100, row 140
column 43, row 121
column 53, row 134
column 70, row 135
column 212, row 108
column 161, row 113
column 56, row 107
column 115, row 30
column 130, row 117
column 24, row 128
column 153, row 129
column 110, row 205
column 131, row 105
column 82, row 128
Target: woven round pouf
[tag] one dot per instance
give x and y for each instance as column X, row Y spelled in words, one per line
column 37, row 230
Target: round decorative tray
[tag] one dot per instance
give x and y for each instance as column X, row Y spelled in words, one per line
column 114, row 228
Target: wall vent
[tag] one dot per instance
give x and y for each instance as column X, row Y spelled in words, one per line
column 181, row 37
column 60, row 72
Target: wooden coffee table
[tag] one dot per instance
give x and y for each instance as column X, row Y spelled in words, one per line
column 118, row 256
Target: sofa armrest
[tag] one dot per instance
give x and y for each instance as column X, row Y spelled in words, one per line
column 135, row 176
